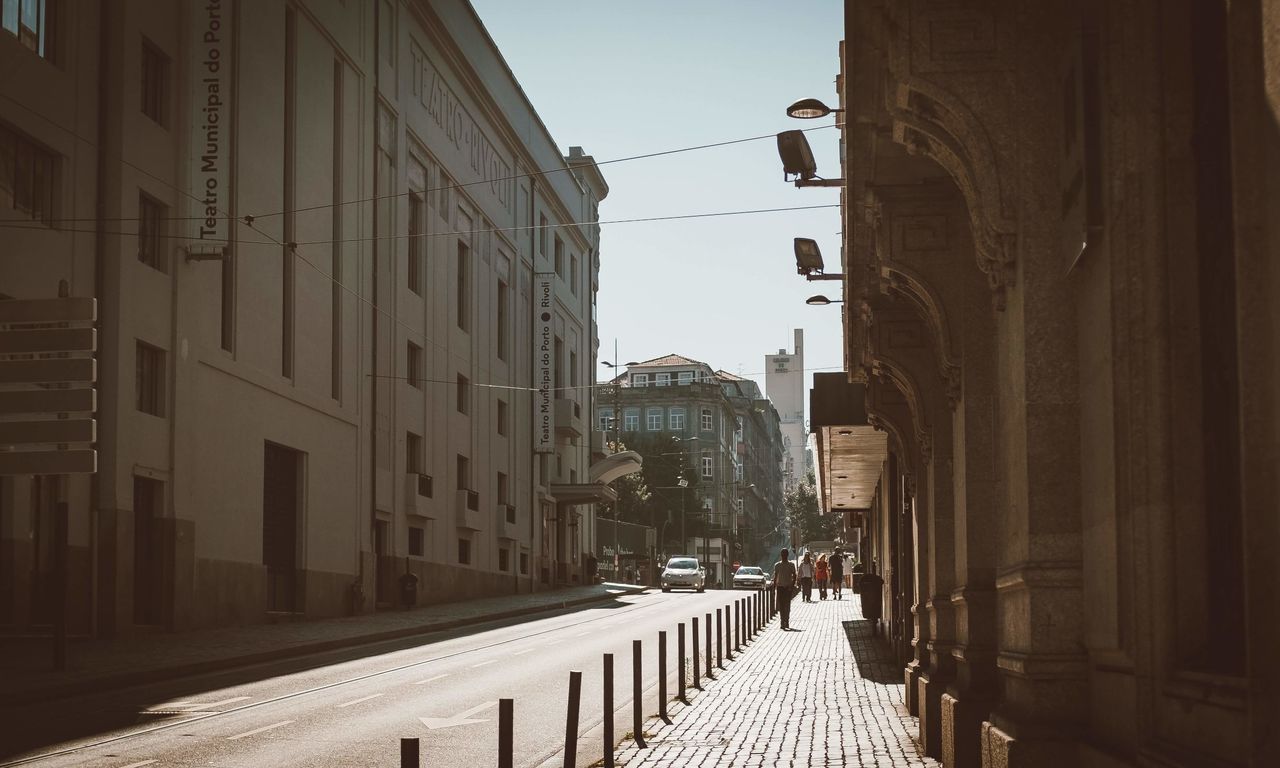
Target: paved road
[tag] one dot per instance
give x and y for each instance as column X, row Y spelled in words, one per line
column 351, row 708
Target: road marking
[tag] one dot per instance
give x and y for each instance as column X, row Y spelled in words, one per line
column 484, row 663
column 434, row 723
column 258, row 730
column 357, row 701
column 526, row 650
column 139, row 765
column 202, row 707
column 582, row 634
column 432, row 679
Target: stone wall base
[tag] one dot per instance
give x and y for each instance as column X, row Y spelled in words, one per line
column 1001, row 750
column 961, row 732
column 911, row 692
column 929, row 692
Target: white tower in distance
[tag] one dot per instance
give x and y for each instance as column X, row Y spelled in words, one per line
column 784, row 385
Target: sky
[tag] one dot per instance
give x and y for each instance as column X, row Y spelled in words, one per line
column 622, row 78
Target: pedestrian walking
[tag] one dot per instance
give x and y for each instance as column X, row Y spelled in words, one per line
column 836, row 563
column 821, row 574
column 806, row 577
column 784, row 586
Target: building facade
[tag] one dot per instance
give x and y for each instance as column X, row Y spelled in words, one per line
column 723, row 437
column 784, row 385
column 345, row 284
column 1060, row 280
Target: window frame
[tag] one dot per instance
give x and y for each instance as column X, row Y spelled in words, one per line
column 152, row 217
column 149, row 379
column 653, row 415
column 153, row 92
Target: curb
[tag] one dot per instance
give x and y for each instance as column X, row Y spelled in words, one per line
column 68, row 689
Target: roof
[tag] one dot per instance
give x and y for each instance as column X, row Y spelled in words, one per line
column 671, row 359
column 726, row 376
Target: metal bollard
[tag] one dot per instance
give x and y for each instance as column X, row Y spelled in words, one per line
column 684, row 699
column 637, row 719
column 571, row 721
column 719, row 641
column 710, row 674
column 737, row 626
column 697, row 671
column 728, row 634
column 608, row 711
column 409, row 753
column 662, row 677
column 506, row 729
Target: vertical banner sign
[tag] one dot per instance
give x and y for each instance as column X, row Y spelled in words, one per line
column 210, row 69
column 543, row 363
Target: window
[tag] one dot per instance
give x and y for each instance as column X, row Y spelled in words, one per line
column 573, row 371
column 542, row 235
column 464, row 551
column 504, row 559
column 573, row 273
column 559, row 257
column 32, row 22
column 502, row 487
column 631, row 420
column 502, row 417
column 557, row 366
column 524, row 563
column 676, row 419
column 707, row 466
column 685, row 377
column 464, row 473
column 150, row 379
column 639, row 379
column 706, row 420
column 464, row 394
column 501, row 330
column 417, row 541
column 463, row 292
column 412, row 453
column 155, row 83
column 26, row 176
column 663, row 380
column 654, row 417
column 416, row 241
column 151, row 216
column 605, row 421
column 413, row 365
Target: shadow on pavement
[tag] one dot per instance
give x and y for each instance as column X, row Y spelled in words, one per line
column 107, row 711
column 874, row 661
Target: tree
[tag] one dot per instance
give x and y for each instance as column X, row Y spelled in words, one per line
column 802, row 507
column 654, row 495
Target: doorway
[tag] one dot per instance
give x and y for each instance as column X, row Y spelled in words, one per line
column 281, row 501
column 148, row 561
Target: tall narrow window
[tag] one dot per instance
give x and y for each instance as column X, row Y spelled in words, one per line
column 559, row 257
column 290, row 235
column 543, row 233
column 149, row 379
column 32, row 22
column 412, row 453
column 501, row 330
column 27, row 176
column 573, row 273
column 335, row 285
column 417, row 222
column 464, row 472
column 155, row 83
column 464, row 394
column 151, row 245
column 557, row 367
column 573, row 373
column 413, row 365
column 708, row 464
column 502, row 417
column 464, row 267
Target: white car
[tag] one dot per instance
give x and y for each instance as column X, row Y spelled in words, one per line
column 683, row 572
column 749, row 577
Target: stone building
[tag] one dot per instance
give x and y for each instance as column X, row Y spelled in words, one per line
column 326, row 240
column 784, row 384
column 1061, row 261
column 726, row 439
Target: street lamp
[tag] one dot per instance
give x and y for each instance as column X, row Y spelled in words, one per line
column 808, row 109
column 821, row 301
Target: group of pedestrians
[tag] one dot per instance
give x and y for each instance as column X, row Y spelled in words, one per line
column 826, row 571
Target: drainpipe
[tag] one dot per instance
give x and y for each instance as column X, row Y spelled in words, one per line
column 373, row 351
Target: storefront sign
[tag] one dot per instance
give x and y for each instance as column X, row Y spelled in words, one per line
column 544, row 361
column 210, row 143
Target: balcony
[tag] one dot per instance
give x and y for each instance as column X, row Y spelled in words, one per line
column 468, row 509
column 417, row 494
column 506, row 525
column 568, row 418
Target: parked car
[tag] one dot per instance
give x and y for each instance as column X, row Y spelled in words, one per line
column 749, row 577
column 683, row 572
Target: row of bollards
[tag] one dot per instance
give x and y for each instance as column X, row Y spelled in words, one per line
column 736, row 623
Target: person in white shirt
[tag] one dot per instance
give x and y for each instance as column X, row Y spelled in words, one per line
column 806, row 577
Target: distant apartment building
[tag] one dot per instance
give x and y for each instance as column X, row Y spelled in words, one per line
column 725, row 435
column 784, row 385
column 345, row 284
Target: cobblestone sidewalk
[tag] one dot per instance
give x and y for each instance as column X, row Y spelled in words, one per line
column 824, row 694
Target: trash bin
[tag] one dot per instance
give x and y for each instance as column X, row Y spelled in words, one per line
column 408, row 590
column 869, row 593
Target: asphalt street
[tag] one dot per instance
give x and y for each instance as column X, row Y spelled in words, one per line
column 351, row 708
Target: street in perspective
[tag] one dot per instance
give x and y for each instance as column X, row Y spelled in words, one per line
column 593, row 384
